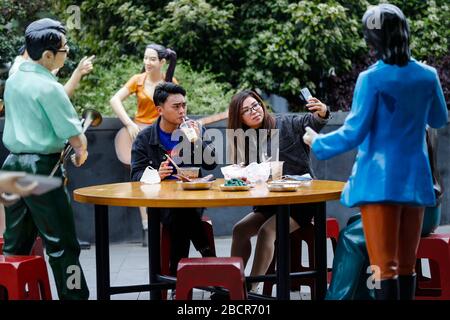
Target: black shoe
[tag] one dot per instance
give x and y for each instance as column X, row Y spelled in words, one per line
column 145, row 238
column 207, row 252
column 84, row 245
column 407, row 287
column 220, row 295
column 387, row 290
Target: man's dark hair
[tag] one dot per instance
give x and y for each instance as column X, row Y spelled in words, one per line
column 163, row 90
column 21, row 50
column 43, row 34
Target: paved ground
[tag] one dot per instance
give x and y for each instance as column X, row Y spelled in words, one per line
column 129, row 265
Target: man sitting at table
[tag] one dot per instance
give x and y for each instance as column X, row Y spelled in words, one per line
column 150, row 149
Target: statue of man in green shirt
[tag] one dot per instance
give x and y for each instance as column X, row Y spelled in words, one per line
column 39, row 120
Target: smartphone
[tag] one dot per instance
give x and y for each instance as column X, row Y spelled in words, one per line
column 305, row 94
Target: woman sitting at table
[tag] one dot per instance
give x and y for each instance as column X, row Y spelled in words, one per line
column 247, row 111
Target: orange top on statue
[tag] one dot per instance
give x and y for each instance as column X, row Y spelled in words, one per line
column 146, row 110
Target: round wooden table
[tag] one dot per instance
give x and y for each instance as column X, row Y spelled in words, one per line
column 169, row 194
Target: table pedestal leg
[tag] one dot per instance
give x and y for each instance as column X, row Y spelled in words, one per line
column 154, row 250
column 102, row 252
column 320, row 250
column 283, row 253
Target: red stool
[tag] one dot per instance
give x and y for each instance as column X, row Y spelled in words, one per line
column 218, row 272
column 37, row 250
column 304, row 234
column 165, row 246
column 435, row 248
column 24, row 278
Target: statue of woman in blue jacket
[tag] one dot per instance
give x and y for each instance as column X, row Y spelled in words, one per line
column 391, row 180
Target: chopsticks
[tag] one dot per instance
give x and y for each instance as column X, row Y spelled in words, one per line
column 178, row 175
column 173, row 162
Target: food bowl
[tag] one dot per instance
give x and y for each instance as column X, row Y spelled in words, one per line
column 235, row 185
column 298, row 183
column 190, row 172
column 196, row 185
column 282, row 187
column 223, row 187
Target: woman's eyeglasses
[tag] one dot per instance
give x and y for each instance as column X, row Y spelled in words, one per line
column 254, row 107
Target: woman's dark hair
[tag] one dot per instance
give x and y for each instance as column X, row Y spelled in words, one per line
column 386, row 30
column 235, row 107
column 44, row 34
column 241, row 152
column 165, row 53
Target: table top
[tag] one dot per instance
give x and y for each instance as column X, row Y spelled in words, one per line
column 169, row 194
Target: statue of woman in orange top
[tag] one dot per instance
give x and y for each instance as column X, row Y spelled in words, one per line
column 143, row 85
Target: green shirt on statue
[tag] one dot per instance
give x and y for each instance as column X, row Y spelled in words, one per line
column 39, row 117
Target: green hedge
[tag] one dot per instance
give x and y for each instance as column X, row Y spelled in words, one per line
column 15, row 15
column 277, row 46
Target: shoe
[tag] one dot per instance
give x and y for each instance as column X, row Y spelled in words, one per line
column 84, row 245
column 258, row 289
column 388, row 290
column 407, row 286
column 215, row 296
column 219, row 295
column 255, row 290
column 145, row 238
column 207, row 252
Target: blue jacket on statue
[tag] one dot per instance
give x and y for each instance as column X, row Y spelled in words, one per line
column 392, row 162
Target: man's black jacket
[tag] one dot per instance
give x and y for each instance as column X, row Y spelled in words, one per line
column 147, row 151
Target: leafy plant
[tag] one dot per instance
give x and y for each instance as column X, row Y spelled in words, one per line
column 15, row 15
column 98, row 87
column 198, row 31
column 316, row 40
column 111, row 28
column 275, row 46
column 431, row 32
column 205, row 95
